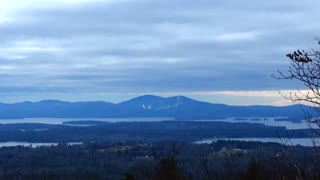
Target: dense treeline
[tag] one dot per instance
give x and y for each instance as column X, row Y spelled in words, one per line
column 162, row 160
column 187, row 131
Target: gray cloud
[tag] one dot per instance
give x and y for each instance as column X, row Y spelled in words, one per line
column 152, row 46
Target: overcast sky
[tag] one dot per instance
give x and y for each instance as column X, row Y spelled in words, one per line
column 220, row 51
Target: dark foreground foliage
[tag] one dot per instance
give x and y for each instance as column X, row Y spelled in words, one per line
column 161, row 161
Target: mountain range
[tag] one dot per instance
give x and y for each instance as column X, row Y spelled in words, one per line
column 178, row 107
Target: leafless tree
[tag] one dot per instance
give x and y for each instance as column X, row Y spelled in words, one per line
column 304, row 67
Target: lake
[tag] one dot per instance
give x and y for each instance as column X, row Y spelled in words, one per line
column 61, row 120
column 266, row 121
column 261, row 120
column 286, row 141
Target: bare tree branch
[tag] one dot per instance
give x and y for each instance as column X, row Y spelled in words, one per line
column 304, row 67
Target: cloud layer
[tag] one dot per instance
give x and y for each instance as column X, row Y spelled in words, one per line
column 143, row 46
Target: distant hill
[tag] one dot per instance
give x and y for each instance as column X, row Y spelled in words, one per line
column 179, row 107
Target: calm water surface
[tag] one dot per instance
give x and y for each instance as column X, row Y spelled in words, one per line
column 266, row 121
column 61, row 120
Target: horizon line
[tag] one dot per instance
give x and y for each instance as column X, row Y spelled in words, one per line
column 151, row 95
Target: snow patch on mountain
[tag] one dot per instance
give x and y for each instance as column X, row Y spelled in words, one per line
column 163, row 105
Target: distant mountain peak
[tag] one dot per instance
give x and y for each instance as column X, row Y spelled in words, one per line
column 151, row 102
column 51, row 101
column 181, row 98
column 145, row 98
